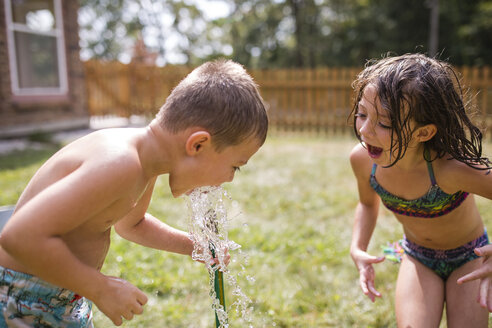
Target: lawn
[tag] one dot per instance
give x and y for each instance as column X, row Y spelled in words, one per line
column 292, row 210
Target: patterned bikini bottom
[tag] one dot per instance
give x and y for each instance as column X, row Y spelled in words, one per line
column 444, row 262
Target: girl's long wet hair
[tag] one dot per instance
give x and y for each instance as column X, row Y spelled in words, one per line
column 427, row 91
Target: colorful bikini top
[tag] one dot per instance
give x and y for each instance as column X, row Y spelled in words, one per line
column 433, row 204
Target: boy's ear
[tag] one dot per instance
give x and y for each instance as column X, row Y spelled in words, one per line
column 197, row 141
column 426, row 132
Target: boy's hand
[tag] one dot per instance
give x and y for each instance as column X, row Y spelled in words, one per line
column 215, row 260
column 364, row 261
column 484, row 273
column 119, row 299
column 227, row 259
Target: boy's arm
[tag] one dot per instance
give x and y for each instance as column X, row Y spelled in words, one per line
column 144, row 229
column 34, row 237
column 364, row 223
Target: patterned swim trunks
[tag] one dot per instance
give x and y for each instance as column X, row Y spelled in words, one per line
column 28, row 301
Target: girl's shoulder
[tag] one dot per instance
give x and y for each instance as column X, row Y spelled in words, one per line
column 360, row 161
column 453, row 175
column 451, row 166
column 358, row 152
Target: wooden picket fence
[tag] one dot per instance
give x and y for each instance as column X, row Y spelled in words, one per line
column 311, row 101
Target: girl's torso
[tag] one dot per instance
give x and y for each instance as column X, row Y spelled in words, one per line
column 431, row 217
column 433, row 203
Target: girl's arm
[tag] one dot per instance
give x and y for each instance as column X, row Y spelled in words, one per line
column 484, row 273
column 364, row 223
column 479, row 182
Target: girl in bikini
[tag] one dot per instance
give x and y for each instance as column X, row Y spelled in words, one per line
column 420, row 154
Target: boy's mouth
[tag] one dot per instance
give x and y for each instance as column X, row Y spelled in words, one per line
column 374, row 152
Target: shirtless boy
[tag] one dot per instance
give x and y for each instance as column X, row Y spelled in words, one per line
column 53, row 247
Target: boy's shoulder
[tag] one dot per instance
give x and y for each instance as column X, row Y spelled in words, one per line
column 110, row 153
column 106, row 144
column 95, row 170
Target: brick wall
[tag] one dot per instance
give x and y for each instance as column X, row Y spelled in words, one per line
column 21, row 115
column 4, row 70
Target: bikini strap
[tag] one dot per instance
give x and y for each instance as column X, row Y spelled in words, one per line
column 373, row 172
column 431, row 173
column 429, row 167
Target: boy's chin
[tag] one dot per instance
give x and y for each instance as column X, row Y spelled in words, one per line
column 179, row 193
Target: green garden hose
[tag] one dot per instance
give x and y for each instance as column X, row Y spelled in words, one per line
column 219, row 288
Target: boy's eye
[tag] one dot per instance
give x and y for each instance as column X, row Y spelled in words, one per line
column 360, row 115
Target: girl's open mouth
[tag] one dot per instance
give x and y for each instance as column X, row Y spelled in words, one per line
column 374, row 151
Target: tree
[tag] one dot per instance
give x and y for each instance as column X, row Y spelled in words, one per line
column 104, row 28
column 289, row 33
column 110, row 28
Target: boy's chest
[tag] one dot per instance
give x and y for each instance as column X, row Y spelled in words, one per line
column 134, row 201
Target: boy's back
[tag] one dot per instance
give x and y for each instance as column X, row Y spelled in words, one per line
column 91, row 168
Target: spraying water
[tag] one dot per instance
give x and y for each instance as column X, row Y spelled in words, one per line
column 208, row 228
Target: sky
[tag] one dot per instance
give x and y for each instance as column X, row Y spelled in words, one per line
column 213, row 8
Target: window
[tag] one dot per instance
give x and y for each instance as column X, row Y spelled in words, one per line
column 36, row 47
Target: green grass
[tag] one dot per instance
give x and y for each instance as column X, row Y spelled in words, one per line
column 293, row 208
column 17, row 168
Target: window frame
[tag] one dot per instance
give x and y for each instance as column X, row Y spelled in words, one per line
column 57, row 32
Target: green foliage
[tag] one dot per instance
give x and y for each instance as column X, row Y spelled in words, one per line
column 16, row 169
column 306, row 33
column 103, row 27
column 109, row 29
column 290, row 33
column 41, row 136
column 292, row 209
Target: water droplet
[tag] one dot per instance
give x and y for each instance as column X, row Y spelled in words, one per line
column 208, row 228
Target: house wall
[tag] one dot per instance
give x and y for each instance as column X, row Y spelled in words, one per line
column 24, row 115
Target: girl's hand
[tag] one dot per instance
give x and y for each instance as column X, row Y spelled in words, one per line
column 364, row 262
column 484, row 273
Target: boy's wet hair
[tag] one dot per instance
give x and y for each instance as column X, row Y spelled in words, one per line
column 220, row 97
column 427, row 91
